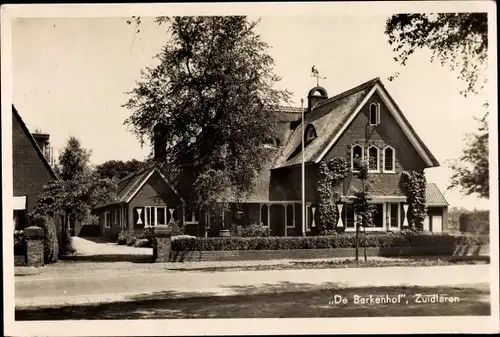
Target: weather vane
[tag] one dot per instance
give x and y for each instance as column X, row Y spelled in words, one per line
column 315, row 73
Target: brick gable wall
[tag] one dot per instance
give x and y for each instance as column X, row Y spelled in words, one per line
column 388, row 132
column 29, row 171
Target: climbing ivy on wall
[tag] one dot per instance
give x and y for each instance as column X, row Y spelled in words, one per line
column 414, row 184
column 331, row 175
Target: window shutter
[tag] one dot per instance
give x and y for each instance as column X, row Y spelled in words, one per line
column 139, row 216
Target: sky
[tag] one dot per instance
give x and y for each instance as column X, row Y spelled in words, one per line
column 71, row 75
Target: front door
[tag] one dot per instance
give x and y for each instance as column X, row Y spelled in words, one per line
column 277, row 223
column 437, row 223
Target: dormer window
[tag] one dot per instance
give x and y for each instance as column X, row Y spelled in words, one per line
column 356, row 153
column 310, row 134
column 373, row 159
column 374, row 114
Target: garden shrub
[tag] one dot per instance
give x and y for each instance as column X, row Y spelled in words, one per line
column 345, row 240
column 19, row 242
column 131, row 240
column 475, row 222
column 249, row 231
column 122, row 238
column 142, row 243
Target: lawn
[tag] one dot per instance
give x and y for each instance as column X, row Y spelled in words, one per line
column 275, row 304
column 342, row 263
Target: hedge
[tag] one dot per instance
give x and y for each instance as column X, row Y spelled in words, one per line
column 344, row 240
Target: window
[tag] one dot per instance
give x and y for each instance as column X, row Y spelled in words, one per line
column 394, row 212
column 389, row 159
column 378, row 216
column 190, row 217
column 356, row 153
column 116, row 217
column 374, row 114
column 263, row 215
column 107, row 220
column 373, row 159
column 161, row 215
column 348, row 215
column 310, row 133
column 290, row 216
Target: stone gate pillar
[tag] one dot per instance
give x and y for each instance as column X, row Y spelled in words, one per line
column 34, row 245
column 161, row 243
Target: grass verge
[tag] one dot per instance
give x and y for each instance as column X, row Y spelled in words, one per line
column 280, row 303
column 344, row 263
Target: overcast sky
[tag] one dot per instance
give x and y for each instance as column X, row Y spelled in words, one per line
column 70, row 77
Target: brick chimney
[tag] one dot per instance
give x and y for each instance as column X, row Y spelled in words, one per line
column 316, row 95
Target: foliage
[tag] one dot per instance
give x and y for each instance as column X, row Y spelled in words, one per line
column 76, row 196
column 459, row 40
column 471, row 169
column 142, row 243
column 210, row 100
column 253, row 230
column 475, row 222
column 118, row 169
column 176, row 228
column 131, row 240
column 73, row 160
column 415, row 184
column 344, row 240
column 50, row 241
column 332, row 173
column 122, row 238
column 19, row 242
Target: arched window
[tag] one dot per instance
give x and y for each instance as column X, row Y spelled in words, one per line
column 356, row 153
column 310, row 134
column 389, row 159
column 374, row 113
column 373, row 159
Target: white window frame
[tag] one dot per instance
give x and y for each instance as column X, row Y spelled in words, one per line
column 107, row 223
column 389, row 216
column 393, row 160
column 164, row 214
column 377, row 113
column 194, row 220
column 352, row 155
column 377, row 159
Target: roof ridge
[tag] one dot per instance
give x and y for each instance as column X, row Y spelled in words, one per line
column 348, row 92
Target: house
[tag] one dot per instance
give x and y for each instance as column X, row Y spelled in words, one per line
column 143, row 199
column 31, row 169
column 361, row 122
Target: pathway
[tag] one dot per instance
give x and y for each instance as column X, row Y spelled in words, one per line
column 98, row 246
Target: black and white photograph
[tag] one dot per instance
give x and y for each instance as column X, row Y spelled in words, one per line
column 249, row 168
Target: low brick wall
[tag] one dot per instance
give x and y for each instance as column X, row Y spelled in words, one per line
column 248, row 255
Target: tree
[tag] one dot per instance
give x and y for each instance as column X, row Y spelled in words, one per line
column 211, row 99
column 361, row 202
column 471, row 169
column 117, row 169
column 73, row 160
column 77, row 192
column 459, row 40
